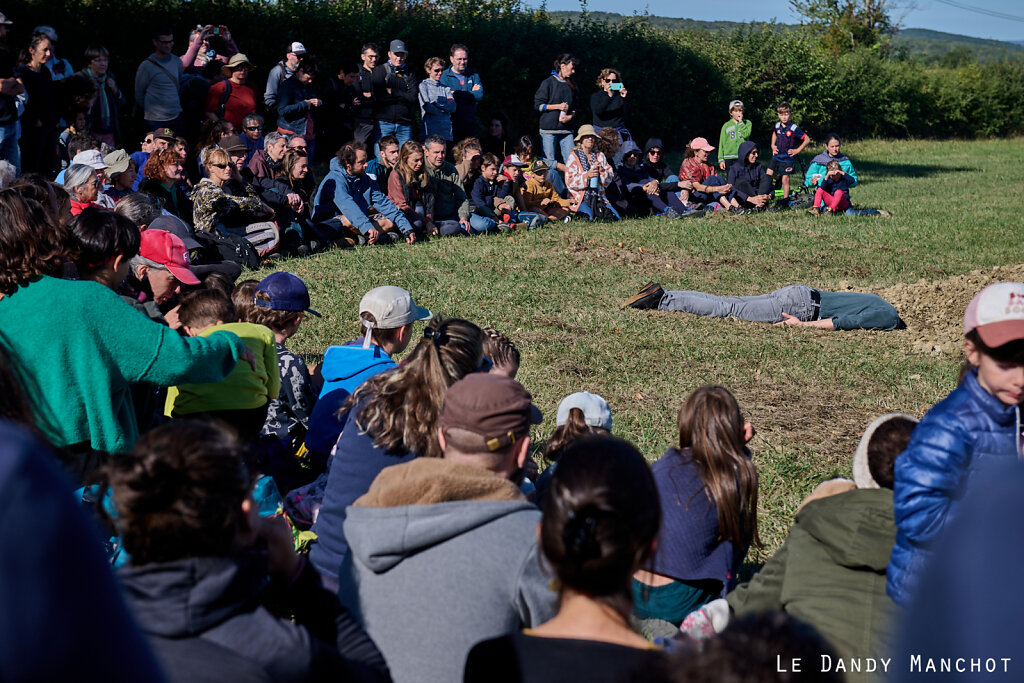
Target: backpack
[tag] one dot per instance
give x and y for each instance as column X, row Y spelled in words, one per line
column 220, row 246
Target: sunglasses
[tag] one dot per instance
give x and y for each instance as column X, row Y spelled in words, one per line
column 436, row 71
column 654, row 152
column 611, row 80
column 220, row 166
column 254, row 127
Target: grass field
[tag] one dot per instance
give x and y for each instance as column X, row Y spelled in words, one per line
column 809, row 393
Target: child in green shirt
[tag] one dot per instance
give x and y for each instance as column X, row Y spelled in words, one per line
column 735, row 132
column 240, row 399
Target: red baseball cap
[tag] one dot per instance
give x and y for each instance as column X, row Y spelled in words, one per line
column 168, row 250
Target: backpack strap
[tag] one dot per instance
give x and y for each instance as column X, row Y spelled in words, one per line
column 174, row 79
column 224, row 97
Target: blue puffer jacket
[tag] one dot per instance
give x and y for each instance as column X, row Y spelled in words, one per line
column 965, row 431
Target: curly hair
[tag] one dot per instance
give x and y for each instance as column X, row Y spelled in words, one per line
column 158, row 160
column 31, row 243
column 179, row 493
column 401, row 407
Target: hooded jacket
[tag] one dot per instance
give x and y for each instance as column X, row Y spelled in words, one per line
column 204, row 616
column 352, row 196
column 437, row 105
column 830, row 573
column 658, row 170
column 437, row 542
column 344, row 368
column 753, row 173
column 638, row 176
column 962, row 433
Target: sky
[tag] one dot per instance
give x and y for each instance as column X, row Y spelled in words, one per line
column 930, row 14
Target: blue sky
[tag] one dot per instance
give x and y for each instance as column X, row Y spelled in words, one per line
column 929, row 14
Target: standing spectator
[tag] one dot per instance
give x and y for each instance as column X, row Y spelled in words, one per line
column 104, row 116
column 436, row 101
column 296, row 100
column 735, row 132
column 364, row 120
column 555, row 99
column 450, row 202
column 157, row 81
column 231, row 98
column 202, row 53
column 59, row 68
column 346, row 196
column 252, row 134
column 281, row 72
column 338, row 126
column 609, row 103
column 395, row 94
column 10, row 89
column 39, row 122
column 468, row 91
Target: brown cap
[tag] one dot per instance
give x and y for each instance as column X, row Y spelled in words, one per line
column 493, row 409
column 232, row 143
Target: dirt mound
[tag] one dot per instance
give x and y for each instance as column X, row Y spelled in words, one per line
column 934, row 310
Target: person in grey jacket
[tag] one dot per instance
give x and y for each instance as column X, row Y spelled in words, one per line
column 450, row 539
column 281, row 72
column 437, row 104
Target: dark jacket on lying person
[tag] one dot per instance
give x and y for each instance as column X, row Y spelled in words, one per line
column 748, row 179
column 208, row 619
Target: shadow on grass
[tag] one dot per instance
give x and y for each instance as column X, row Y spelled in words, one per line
column 900, row 170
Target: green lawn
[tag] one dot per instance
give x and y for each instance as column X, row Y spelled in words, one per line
column 557, row 291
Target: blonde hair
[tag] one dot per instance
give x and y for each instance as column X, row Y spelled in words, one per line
column 401, row 407
column 215, row 155
column 411, row 178
column 432, row 61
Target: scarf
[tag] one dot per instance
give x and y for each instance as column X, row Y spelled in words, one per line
column 101, row 85
column 585, row 163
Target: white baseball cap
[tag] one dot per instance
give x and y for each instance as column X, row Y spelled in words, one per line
column 997, row 313
column 90, row 157
column 297, row 47
column 596, row 412
column 392, row 307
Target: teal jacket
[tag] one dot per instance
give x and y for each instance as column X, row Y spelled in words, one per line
column 819, row 163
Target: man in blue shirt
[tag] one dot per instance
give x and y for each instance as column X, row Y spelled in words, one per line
column 467, row 90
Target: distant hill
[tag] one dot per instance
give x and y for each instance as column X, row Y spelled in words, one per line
column 919, row 42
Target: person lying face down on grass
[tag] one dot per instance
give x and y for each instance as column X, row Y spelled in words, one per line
column 792, row 305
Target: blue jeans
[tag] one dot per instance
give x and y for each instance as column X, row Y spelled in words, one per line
column 585, row 210
column 764, row 308
column 481, row 224
column 548, row 142
column 707, row 197
column 861, row 212
column 402, row 131
column 9, row 149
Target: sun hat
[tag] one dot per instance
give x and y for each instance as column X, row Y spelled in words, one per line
column 117, row 162
column 596, row 412
column 997, row 313
column 585, row 131
column 238, row 59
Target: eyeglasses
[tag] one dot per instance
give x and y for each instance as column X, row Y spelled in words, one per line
column 301, row 148
column 166, row 42
column 254, row 127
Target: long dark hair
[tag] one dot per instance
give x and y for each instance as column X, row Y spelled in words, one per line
column 403, row 405
column 711, row 434
column 31, row 243
column 601, row 517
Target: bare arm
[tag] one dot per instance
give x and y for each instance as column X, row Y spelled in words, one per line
column 824, row 323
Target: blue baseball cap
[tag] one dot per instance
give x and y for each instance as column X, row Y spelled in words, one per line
column 287, row 292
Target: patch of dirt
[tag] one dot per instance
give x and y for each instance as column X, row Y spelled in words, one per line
column 934, row 309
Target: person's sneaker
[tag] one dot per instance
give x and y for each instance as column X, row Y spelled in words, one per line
column 693, row 206
column 814, row 211
column 670, row 213
column 648, row 297
column 694, row 213
column 885, row 213
column 536, row 222
column 737, row 210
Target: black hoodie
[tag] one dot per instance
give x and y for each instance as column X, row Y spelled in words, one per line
column 753, row 173
column 657, row 170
